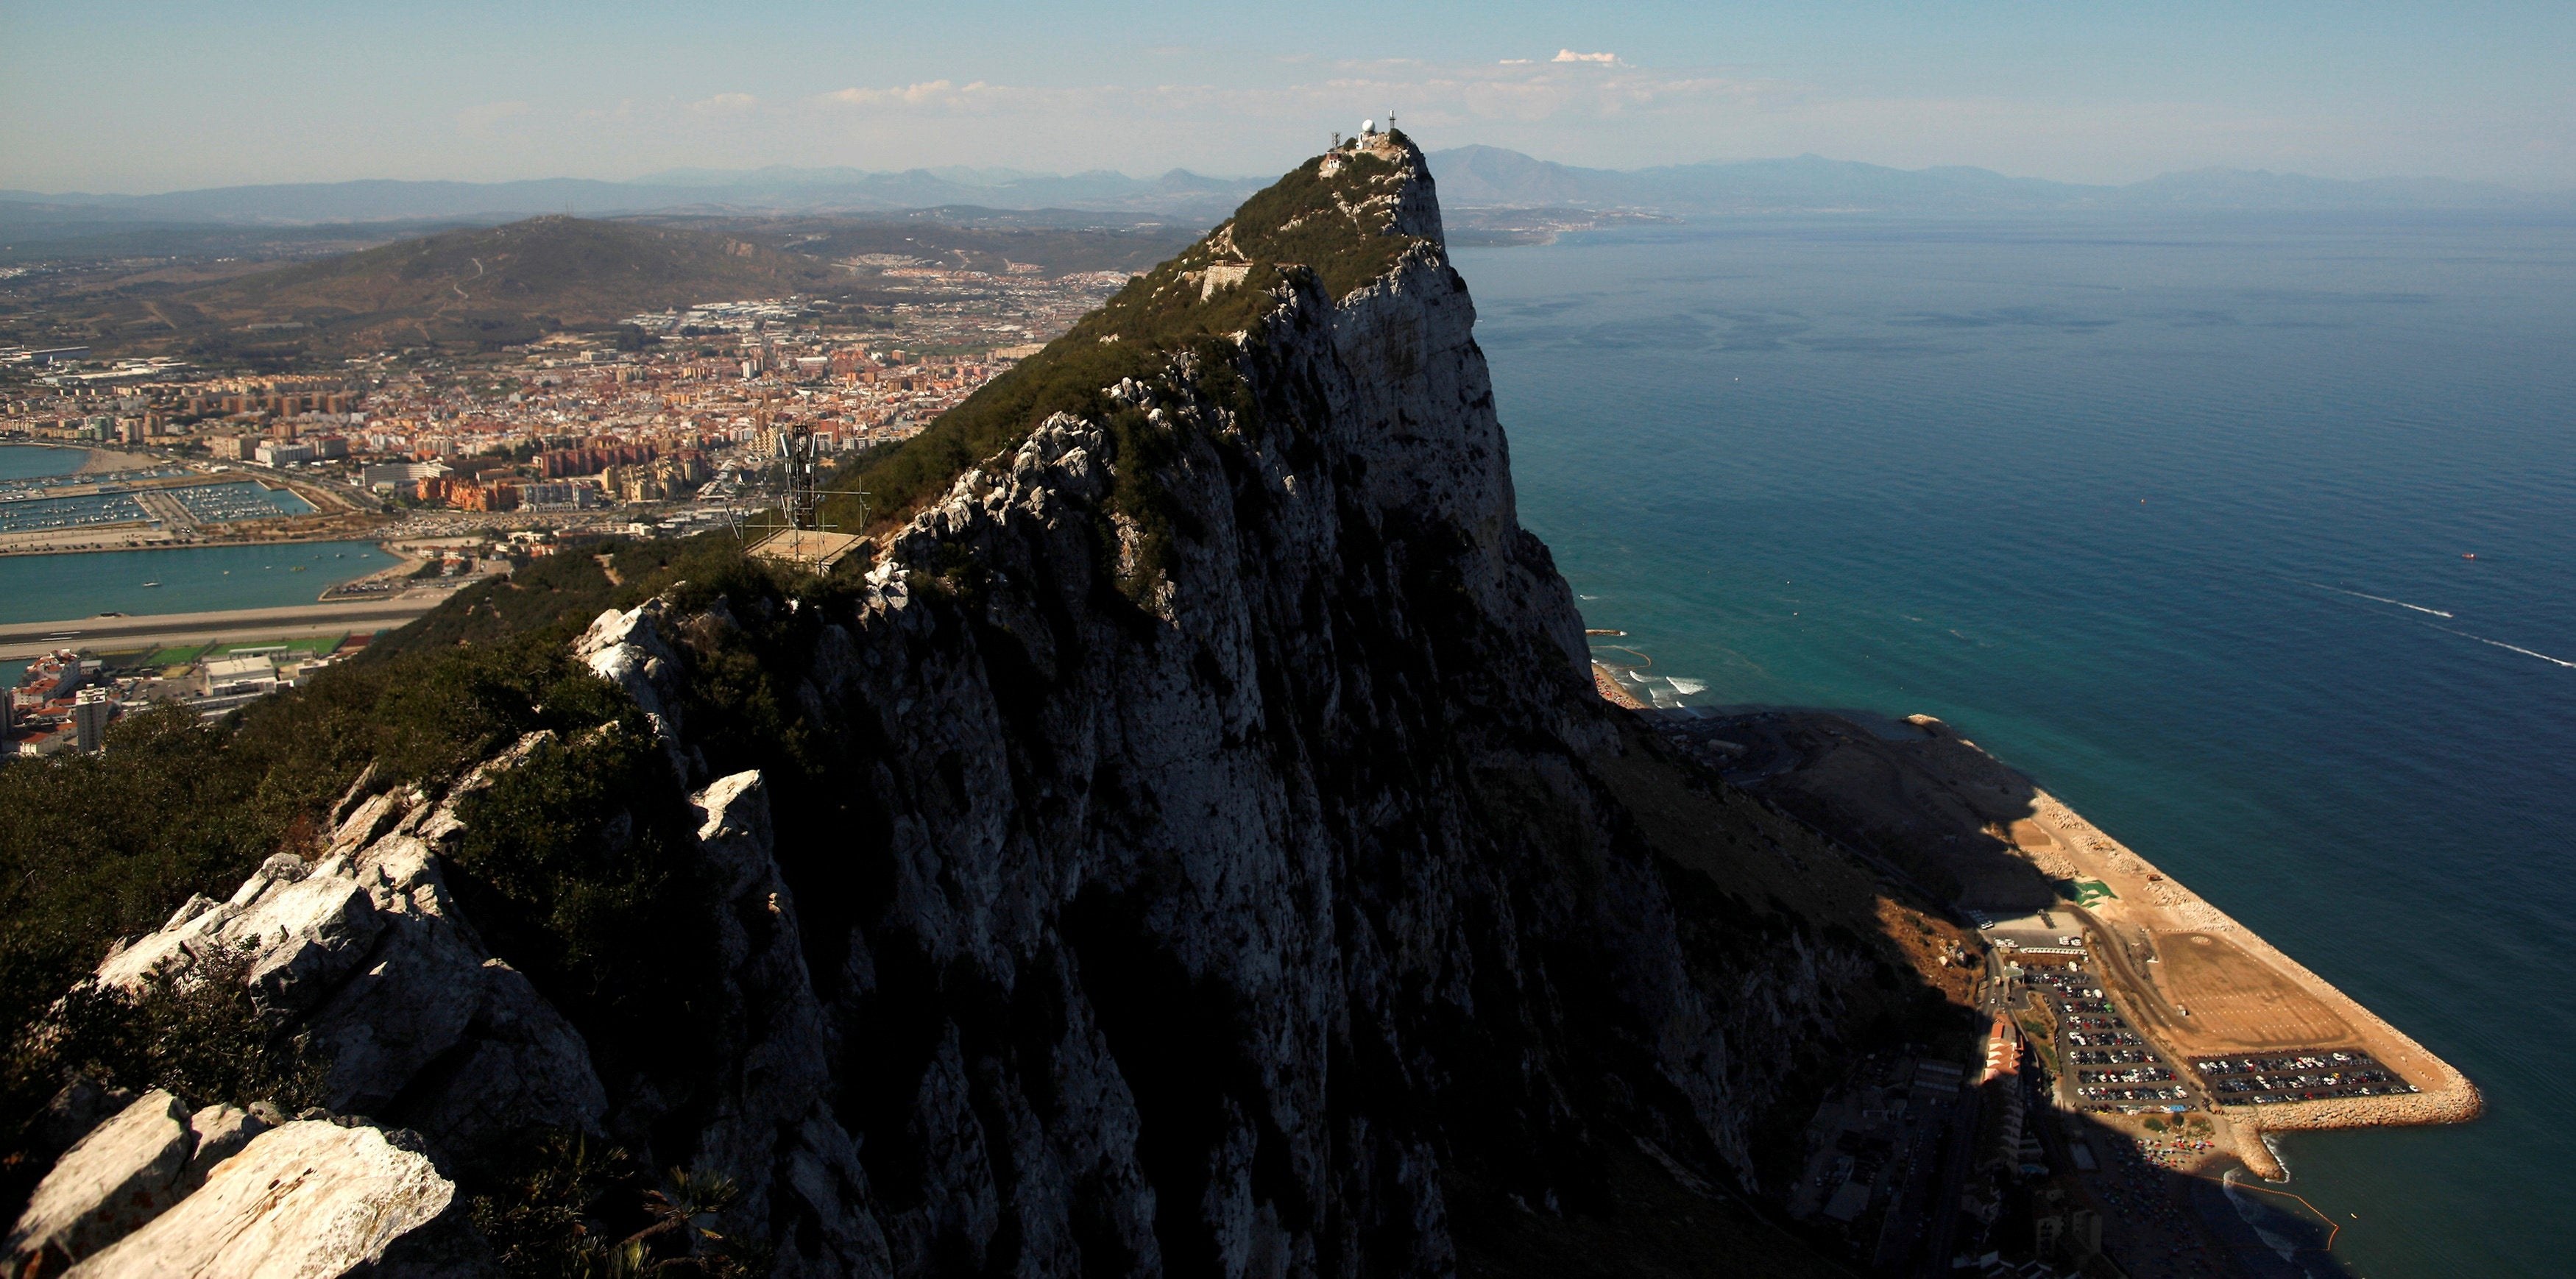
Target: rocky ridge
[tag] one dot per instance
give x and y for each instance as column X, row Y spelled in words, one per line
column 1226, row 867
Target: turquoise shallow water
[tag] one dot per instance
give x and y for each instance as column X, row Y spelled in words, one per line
column 2109, row 495
column 42, row 588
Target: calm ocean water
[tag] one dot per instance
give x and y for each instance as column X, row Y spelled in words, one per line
column 31, row 461
column 2113, row 496
column 43, row 588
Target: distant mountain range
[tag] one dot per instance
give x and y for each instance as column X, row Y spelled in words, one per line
column 1477, row 176
column 771, row 191
column 1469, row 177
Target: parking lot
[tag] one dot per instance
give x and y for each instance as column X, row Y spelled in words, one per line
column 2115, row 1070
column 2274, row 1078
column 2110, row 1056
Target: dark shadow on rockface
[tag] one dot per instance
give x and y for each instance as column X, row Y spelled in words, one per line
column 1748, row 886
column 1915, row 796
column 1930, row 810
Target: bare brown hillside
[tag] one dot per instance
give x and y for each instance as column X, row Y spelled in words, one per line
column 480, row 286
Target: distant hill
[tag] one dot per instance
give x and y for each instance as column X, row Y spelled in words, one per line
column 1469, row 177
column 848, row 190
column 776, row 190
column 480, row 285
column 956, row 238
column 367, row 201
column 1480, row 176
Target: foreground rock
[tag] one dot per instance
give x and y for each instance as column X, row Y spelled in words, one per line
column 122, row 1175
column 309, row 1200
column 366, row 950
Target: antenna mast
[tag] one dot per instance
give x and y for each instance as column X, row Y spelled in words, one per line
column 806, row 536
column 804, row 504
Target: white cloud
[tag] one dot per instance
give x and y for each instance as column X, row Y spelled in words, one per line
column 1519, row 91
column 1569, row 55
column 1590, row 110
column 925, row 93
column 480, row 119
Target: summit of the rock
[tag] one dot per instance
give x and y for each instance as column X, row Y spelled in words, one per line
column 1336, row 223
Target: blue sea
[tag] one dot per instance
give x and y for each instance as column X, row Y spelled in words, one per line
column 36, row 461
column 43, row 588
column 2174, row 514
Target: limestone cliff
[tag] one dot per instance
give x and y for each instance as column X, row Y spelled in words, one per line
column 1224, row 864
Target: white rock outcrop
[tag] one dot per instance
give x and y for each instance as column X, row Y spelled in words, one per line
column 220, row 1131
column 308, row 1200
column 366, row 950
column 627, row 649
column 118, row 1178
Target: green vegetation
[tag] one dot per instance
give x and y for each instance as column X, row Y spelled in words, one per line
column 569, row 1209
column 299, row 647
column 2037, row 1032
column 1327, row 224
column 98, row 847
column 197, row 1035
column 580, row 867
column 1304, row 227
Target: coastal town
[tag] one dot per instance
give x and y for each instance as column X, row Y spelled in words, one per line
column 660, row 410
column 457, row 465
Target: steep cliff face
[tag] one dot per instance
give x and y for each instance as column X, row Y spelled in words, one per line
column 1217, row 859
column 1227, row 906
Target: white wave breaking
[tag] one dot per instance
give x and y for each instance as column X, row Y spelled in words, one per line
column 2517, row 648
column 2381, row 598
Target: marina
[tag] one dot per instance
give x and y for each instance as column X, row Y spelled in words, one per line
column 74, row 502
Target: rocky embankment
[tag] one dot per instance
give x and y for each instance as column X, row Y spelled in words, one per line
column 1227, row 868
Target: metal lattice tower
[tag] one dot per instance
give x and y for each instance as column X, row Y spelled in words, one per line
column 803, row 500
column 793, row 480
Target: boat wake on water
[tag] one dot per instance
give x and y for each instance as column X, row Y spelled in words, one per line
column 2382, row 599
column 2501, row 644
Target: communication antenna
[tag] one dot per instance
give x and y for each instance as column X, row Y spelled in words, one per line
column 792, row 524
column 803, row 503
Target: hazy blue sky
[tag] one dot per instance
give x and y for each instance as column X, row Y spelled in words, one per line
column 110, row 95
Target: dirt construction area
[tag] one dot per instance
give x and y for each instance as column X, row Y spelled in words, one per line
column 2235, row 1002
column 2195, row 982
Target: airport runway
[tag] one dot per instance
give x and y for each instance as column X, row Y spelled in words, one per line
column 20, row 640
